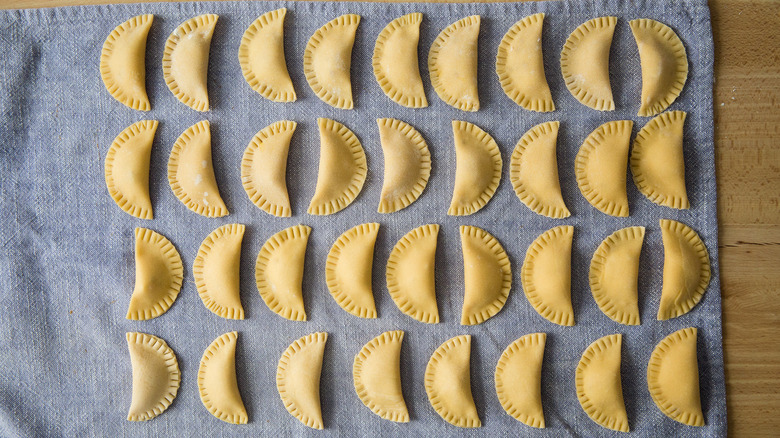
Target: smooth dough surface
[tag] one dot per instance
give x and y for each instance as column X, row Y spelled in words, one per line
column 395, row 63
column 216, row 271
column 411, row 274
column 599, row 388
column 673, row 377
column 185, row 61
column 377, row 375
column 156, row 376
column 264, row 168
column 478, row 168
column 686, row 269
column 279, row 272
column 585, row 63
column 520, row 66
column 217, row 382
column 348, row 270
column 327, row 61
column 158, row 275
column 123, row 62
column 452, row 64
column 191, row 172
column 298, row 379
column 407, row 165
column 519, row 379
column 614, row 272
column 546, row 275
column 262, row 60
column 488, row 275
column 448, row 383
column 127, row 169
column 600, row 167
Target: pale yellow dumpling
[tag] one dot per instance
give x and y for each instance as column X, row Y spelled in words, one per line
column 123, row 62
column 585, row 63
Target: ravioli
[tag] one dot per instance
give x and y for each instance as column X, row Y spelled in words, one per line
column 520, row 66
column 478, row 168
column 185, row 61
column 191, row 173
column 585, row 63
column 411, row 274
column 488, row 275
column 395, row 61
column 452, row 64
column 156, row 376
column 599, row 388
column 123, row 62
column 673, row 377
column 533, row 171
column 600, row 167
column 342, row 169
column 264, row 168
column 686, row 269
column 127, row 169
column 298, row 379
column 657, row 162
column 217, row 382
column 407, row 165
column 279, row 272
column 348, row 270
column 519, row 379
column 546, row 275
column 261, row 56
column 327, row 61
column 377, row 375
column 158, row 275
column 614, row 271
column 448, row 383
column 664, row 65
column 216, row 271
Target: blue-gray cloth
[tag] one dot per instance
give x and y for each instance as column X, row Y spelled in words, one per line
column 67, row 266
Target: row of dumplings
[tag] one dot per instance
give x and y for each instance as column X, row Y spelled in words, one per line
column 452, row 62
column 672, row 379
column 656, row 162
column 410, row 273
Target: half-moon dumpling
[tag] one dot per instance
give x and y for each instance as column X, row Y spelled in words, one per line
column 298, row 379
column 264, row 168
column 599, row 388
column 657, row 162
column 534, row 171
column 217, row 381
column 342, row 170
column 279, row 272
column 123, row 62
column 407, row 165
column 216, row 271
column 488, row 275
column 520, row 66
column 127, row 168
column 600, row 167
column 519, row 379
column 261, row 55
column 614, row 271
column 348, row 270
column 673, row 377
column 377, row 374
column 686, row 269
column 585, row 63
column 546, row 275
column 448, row 382
column 327, row 61
column 185, row 61
column 452, row 63
column 156, row 376
column 158, row 275
column 478, row 168
column 191, row 173
column 664, row 65
column 410, row 274
column 395, row 61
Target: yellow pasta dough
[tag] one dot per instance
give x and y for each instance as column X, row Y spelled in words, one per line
column 519, row 379
column 185, row 61
column 216, row 271
column 488, row 275
column 217, row 382
column 377, row 375
column 261, row 55
column 546, row 275
column 264, row 168
column 158, row 275
column 298, row 379
column 585, row 63
column 348, row 270
column 395, row 61
column 478, row 170
column 327, row 61
column 279, row 272
column 686, row 269
column 614, row 271
column 123, row 62
column 452, row 64
column 407, row 165
column 599, row 388
column 448, row 383
column 411, row 274
column 156, row 376
column 127, row 169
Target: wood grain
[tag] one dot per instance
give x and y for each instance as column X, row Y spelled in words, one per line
column 747, row 140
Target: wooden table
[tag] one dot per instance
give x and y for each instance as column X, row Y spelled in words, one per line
column 747, row 152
